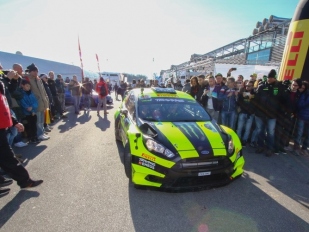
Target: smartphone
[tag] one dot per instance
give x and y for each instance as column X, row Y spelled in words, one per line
column 233, row 69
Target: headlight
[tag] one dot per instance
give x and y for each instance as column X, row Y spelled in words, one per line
column 154, row 146
column 231, row 147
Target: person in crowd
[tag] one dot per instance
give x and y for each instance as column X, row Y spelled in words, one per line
column 53, row 89
column 169, row 84
column 210, row 101
column 8, row 162
column 178, row 86
column 76, row 91
column 155, row 83
column 87, row 90
column 43, row 76
column 133, row 83
column 95, row 82
column 67, row 80
column 219, row 79
column 267, row 103
column 39, row 92
column 200, row 96
column 102, row 98
column 246, row 113
column 302, row 126
column 194, row 87
column 60, row 86
column 239, row 82
column 138, row 84
column 187, row 86
column 116, row 87
column 286, row 120
column 29, row 105
column 228, row 95
column 142, row 84
column 122, row 88
column 15, row 82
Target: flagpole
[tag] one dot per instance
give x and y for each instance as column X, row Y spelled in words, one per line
column 96, row 55
column 81, row 61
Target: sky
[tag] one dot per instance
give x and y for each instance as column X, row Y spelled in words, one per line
column 132, row 36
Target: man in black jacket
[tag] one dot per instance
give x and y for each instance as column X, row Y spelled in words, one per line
column 53, row 90
column 267, row 101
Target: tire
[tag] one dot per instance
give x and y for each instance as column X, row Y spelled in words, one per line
column 127, row 161
column 117, row 134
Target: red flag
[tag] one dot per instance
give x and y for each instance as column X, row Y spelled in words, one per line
column 80, row 57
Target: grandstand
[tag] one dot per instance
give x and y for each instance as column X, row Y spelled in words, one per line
column 264, row 48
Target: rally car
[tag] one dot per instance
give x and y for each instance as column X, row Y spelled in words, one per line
column 171, row 142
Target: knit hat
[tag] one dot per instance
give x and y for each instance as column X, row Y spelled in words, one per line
column 43, row 75
column 24, row 81
column 272, row 74
column 32, row 67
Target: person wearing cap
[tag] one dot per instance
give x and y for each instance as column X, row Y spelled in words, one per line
column 43, row 103
column 267, row 101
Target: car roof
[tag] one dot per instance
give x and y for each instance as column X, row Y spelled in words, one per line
column 155, row 92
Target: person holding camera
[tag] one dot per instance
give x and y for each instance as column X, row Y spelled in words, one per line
column 246, row 113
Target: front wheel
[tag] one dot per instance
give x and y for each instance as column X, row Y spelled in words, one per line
column 127, row 157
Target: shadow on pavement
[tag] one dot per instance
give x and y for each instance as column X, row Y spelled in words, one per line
column 10, row 208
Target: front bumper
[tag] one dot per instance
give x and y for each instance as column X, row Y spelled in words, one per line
column 194, row 173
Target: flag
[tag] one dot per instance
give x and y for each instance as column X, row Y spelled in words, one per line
column 96, row 55
column 80, row 57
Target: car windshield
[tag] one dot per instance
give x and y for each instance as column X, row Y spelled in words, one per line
column 171, row 111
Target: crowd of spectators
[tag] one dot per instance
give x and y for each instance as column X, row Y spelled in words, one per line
column 30, row 102
column 266, row 114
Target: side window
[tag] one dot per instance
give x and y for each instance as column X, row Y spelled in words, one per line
column 130, row 104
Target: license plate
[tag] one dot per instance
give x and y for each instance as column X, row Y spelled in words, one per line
column 204, row 173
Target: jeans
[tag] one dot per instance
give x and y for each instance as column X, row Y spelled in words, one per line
column 302, row 127
column 62, row 100
column 102, row 101
column 76, row 103
column 11, row 134
column 228, row 119
column 244, row 120
column 87, row 101
column 268, row 125
column 40, row 123
column 214, row 114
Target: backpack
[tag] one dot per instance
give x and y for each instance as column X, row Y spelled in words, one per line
column 103, row 91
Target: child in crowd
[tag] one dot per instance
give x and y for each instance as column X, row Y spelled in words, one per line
column 29, row 105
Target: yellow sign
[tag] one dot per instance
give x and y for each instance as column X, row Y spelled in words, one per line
column 296, row 50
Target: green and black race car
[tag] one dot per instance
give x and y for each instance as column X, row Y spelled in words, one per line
column 171, row 142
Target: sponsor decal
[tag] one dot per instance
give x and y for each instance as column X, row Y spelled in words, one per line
column 210, row 126
column 166, row 95
column 146, row 163
column 169, row 100
column 205, row 152
column 149, row 157
column 296, row 50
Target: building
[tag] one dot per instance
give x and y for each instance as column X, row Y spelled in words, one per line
column 260, row 52
column 66, row 70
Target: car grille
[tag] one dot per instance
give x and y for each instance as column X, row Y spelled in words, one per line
column 198, row 164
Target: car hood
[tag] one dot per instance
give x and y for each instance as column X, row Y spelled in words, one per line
column 191, row 139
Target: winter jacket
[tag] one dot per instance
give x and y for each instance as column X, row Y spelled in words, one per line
column 87, row 88
column 37, row 88
column 303, row 107
column 214, row 97
column 48, row 92
column 60, row 86
column 245, row 102
column 28, row 100
column 52, row 87
column 268, row 100
column 75, row 88
column 228, row 103
column 186, row 88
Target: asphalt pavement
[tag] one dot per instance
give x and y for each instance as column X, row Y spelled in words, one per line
column 85, row 189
